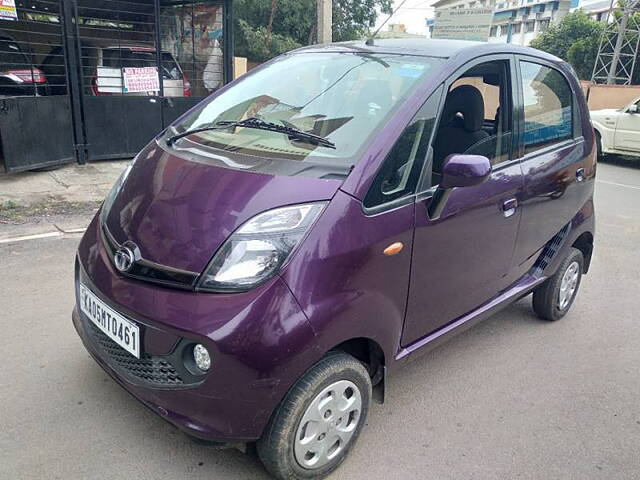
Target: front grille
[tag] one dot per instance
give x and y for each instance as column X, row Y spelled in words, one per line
column 149, row 369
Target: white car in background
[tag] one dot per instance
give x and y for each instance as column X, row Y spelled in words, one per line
column 618, row 131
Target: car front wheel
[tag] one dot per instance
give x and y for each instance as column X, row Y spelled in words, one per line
column 319, row 420
column 552, row 299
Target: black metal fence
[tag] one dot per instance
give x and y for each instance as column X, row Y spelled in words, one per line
column 88, row 80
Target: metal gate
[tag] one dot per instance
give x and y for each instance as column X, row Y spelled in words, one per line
column 36, row 126
column 108, row 75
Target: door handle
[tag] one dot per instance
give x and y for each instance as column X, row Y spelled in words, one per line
column 580, row 174
column 509, row 207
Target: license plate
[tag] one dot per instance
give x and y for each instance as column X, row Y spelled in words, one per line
column 122, row 331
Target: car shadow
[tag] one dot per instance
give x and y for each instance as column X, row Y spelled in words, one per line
column 163, row 447
column 621, row 161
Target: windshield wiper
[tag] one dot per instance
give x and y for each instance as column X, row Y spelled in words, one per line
column 217, row 126
column 253, row 122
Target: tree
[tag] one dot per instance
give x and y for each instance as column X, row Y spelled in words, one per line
column 293, row 24
column 574, row 39
column 582, row 56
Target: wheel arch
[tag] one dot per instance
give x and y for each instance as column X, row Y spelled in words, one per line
column 584, row 243
column 369, row 352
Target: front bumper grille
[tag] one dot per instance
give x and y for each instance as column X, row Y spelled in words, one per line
column 150, row 370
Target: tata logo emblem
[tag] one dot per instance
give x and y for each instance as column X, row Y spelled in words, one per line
column 124, row 258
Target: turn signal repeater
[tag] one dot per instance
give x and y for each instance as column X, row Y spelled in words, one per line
column 393, row 249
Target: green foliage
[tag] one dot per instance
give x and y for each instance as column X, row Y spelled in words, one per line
column 258, row 45
column 294, row 24
column 574, row 39
column 582, row 56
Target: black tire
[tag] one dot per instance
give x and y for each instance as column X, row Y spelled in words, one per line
column 546, row 302
column 276, row 447
column 598, row 146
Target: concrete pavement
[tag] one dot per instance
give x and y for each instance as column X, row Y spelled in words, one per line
column 70, row 183
column 65, row 199
column 511, row 398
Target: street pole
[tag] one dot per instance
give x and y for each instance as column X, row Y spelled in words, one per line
column 325, row 21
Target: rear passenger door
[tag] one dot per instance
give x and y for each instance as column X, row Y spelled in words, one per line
column 553, row 152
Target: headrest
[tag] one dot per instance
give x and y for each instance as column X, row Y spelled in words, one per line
column 467, row 100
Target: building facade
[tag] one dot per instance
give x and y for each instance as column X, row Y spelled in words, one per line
column 596, row 9
column 514, row 21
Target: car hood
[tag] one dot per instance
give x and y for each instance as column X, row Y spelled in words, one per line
column 179, row 211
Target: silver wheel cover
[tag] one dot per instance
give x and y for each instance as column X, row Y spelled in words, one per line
column 568, row 285
column 328, row 424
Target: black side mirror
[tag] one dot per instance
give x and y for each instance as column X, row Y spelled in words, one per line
column 458, row 171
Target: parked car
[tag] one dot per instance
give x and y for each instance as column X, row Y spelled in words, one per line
column 618, row 130
column 267, row 262
column 103, row 66
column 17, row 75
column 111, row 60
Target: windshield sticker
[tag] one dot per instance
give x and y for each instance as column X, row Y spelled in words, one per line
column 411, row 70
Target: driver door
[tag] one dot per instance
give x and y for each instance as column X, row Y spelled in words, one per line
column 464, row 258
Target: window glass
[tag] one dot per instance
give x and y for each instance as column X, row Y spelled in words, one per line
column 548, row 107
column 476, row 118
column 490, row 94
column 401, row 170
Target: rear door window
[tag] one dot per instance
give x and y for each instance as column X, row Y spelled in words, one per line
column 548, row 106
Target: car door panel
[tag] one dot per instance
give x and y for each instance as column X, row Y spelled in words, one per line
column 627, row 135
column 464, row 258
column 554, row 167
column 550, row 198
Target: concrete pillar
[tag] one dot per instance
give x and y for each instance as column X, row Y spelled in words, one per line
column 325, row 21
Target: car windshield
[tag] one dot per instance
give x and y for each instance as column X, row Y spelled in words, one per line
column 343, row 97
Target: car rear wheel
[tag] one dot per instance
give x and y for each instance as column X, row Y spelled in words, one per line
column 319, row 420
column 553, row 299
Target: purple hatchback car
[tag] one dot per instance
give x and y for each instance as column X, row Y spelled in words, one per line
column 265, row 263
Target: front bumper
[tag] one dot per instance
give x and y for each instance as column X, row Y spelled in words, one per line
column 260, row 343
column 170, row 404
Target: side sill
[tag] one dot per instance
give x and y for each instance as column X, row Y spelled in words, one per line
column 523, row 286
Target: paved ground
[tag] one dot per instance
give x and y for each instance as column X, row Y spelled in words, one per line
column 72, row 183
column 60, row 200
column 511, row 398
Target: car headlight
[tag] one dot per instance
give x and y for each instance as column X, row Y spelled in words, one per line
column 113, row 193
column 258, row 249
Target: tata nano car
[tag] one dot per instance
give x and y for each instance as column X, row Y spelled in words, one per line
column 269, row 260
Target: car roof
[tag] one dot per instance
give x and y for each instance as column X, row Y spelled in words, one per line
column 427, row 47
